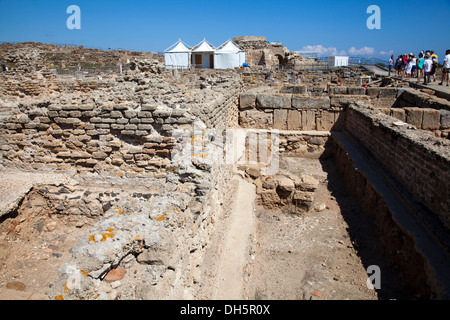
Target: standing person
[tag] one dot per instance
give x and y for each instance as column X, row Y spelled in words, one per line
column 404, row 63
column 435, row 60
column 397, row 65
column 446, row 68
column 427, row 66
column 414, row 65
column 420, row 62
column 408, row 69
column 391, row 64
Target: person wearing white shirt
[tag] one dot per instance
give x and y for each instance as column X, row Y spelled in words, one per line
column 427, row 68
column 446, row 68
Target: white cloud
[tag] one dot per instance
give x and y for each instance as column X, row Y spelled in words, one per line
column 323, row 51
column 353, row 51
column 364, row 51
column 386, row 53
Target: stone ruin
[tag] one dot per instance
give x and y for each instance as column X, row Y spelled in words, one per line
column 118, row 185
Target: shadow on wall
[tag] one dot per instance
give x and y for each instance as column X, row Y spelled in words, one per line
column 362, row 229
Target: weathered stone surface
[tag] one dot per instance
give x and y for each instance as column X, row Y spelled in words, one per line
column 255, row 119
column 445, row 119
column 399, row 114
column 247, row 100
column 305, row 102
column 308, row 120
column 294, row 89
column 273, row 101
column 356, row 90
column 326, row 120
column 294, row 120
column 285, row 184
column 431, row 119
column 280, row 119
column 414, row 116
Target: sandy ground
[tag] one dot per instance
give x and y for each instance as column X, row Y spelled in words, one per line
column 317, row 255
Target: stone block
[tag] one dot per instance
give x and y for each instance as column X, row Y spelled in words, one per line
column 431, row 119
column 247, row 100
column 399, row 114
column 255, row 119
column 147, row 107
column 373, row 92
column 445, row 119
column 129, row 114
column 273, row 101
column 144, row 114
column 308, row 120
column 294, row 120
column 342, row 101
column 326, row 121
column 356, row 91
column 338, row 90
column 390, row 93
column 116, row 114
column 414, row 116
column 280, row 119
column 305, row 102
column 294, row 89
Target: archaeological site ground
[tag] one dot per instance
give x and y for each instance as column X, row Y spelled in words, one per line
column 288, row 180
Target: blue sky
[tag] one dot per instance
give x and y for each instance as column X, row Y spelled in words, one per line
column 331, row 27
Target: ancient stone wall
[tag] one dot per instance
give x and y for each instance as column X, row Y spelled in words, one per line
column 419, row 160
column 121, row 138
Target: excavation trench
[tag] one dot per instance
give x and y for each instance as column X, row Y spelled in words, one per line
column 311, row 231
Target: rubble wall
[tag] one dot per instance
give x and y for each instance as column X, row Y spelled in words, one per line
column 419, row 160
column 117, row 137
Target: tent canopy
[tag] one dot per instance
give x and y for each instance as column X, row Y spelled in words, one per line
column 229, row 56
column 204, row 46
column 229, row 46
column 178, row 57
column 179, row 46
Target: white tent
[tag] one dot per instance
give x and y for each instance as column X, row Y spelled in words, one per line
column 203, row 55
column 179, row 57
column 229, row 56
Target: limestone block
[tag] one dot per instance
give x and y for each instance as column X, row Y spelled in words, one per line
column 308, row 120
column 326, row 121
column 294, row 88
column 431, row 119
column 373, row 92
column 128, row 114
column 345, row 100
column 387, row 93
column 280, row 119
column 247, row 100
column 414, row 116
column 116, row 114
column 305, row 102
column 148, row 108
column 338, row 90
column 445, row 119
column 272, row 101
column 255, row 119
column 356, row 91
column 399, row 114
column 294, row 120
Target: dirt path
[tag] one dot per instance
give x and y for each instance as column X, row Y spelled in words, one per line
column 229, row 281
